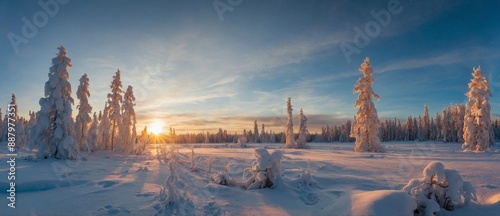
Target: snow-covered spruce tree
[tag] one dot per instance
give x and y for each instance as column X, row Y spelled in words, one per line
column 115, row 99
column 255, row 132
column 53, row 130
column 104, row 129
column 263, row 137
column 477, row 121
column 439, row 188
column 128, row 136
column 301, row 142
column 426, row 130
column 21, row 135
column 367, row 123
column 31, row 132
column 290, row 137
column 265, row 171
column 93, row 135
column 83, row 118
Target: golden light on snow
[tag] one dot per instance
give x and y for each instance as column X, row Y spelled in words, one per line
column 156, row 127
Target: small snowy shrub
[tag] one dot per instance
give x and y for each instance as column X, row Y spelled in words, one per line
column 265, row 171
column 306, row 177
column 242, row 142
column 194, row 165
column 223, row 177
column 439, row 187
column 171, row 200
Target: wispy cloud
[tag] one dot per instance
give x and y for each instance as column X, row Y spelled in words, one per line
column 224, row 81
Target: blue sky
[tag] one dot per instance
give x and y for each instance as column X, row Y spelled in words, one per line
column 196, row 72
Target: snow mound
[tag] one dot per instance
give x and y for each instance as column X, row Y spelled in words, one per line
column 439, row 188
column 265, row 171
column 383, row 202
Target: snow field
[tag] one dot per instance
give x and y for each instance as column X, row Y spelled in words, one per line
column 328, row 179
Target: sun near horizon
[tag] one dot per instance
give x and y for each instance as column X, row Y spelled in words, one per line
column 157, row 126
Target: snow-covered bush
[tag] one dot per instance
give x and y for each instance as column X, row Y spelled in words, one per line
column 265, row 171
column 242, row 142
column 194, row 165
column 439, row 187
column 172, row 201
column 306, row 177
column 223, row 177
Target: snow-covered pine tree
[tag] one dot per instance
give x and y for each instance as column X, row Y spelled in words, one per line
column 459, row 121
column 53, row 130
column 477, row 121
column 263, row 137
column 83, row 118
column 93, row 135
column 426, row 130
column 115, row 99
column 438, row 127
column 301, row 142
column 367, row 123
column 409, row 129
column 104, row 129
column 290, row 137
column 21, row 135
column 256, row 132
column 128, row 135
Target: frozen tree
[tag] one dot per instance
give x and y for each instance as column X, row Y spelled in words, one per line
column 104, row 129
column 21, row 134
column 263, row 137
column 265, row 171
column 128, row 136
column 93, row 135
column 477, row 121
column 54, row 126
column 115, row 99
column 144, row 138
column 290, row 137
column 426, row 124
column 458, row 116
column 301, row 142
column 439, row 187
column 242, row 142
column 438, row 127
column 256, row 132
column 366, row 129
column 83, row 118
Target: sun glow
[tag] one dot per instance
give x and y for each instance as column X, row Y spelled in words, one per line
column 156, row 127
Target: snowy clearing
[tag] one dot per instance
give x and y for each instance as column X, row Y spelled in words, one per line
column 339, row 181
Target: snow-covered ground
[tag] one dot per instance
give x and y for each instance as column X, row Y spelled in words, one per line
column 339, row 181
